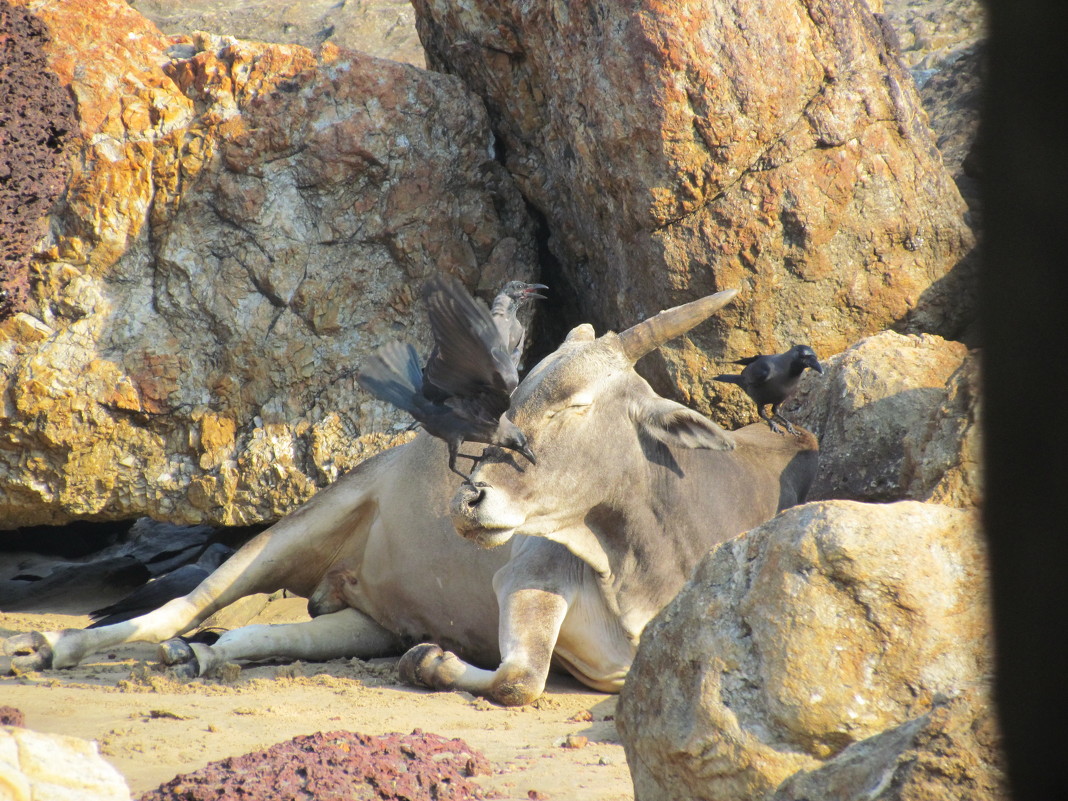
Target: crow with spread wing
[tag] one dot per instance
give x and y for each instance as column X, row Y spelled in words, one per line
column 464, row 391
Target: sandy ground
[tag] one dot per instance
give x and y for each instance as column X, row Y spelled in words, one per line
column 152, row 727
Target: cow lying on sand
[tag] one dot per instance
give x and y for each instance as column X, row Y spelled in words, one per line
column 630, row 490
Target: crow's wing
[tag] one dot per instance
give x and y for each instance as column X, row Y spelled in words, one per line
column 758, row 371
column 471, row 358
column 392, row 374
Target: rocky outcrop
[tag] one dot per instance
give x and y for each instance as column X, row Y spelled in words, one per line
column 953, row 751
column 897, row 419
column 36, row 124
column 382, row 28
column 932, row 34
column 829, row 625
column 34, row 765
column 244, row 222
column 952, row 97
column 675, row 150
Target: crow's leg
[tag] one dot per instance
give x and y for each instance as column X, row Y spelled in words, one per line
column 768, row 420
column 454, row 449
column 789, row 425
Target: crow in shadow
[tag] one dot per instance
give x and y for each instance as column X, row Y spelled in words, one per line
column 505, row 310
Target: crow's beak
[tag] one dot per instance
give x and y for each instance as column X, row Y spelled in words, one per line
column 526, row 451
column 815, row 365
column 530, row 291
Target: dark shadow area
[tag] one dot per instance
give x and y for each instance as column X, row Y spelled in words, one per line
column 81, row 567
column 559, row 312
column 1024, row 295
column 72, row 541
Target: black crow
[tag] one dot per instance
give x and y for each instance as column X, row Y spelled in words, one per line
column 465, row 389
column 773, row 379
column 505, row 309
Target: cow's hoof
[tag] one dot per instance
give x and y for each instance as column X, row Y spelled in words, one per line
column 176, row 652
column 416, row 667
column 184, row 671
column 26, row 652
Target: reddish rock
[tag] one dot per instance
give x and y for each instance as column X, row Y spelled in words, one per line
column 242, row 224
column 338, row 766
column 10, row 716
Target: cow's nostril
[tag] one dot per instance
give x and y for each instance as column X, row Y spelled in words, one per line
column 474, row 494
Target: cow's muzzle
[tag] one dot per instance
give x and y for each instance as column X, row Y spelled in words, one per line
column 479, row 514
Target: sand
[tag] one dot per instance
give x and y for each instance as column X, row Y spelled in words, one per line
column 151, row 726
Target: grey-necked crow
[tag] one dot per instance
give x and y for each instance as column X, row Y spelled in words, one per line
column 773, row 379
column 505, row 309
column 465, row 389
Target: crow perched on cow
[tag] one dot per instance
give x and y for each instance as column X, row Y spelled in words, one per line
column 465, row 389
column 505, row 311
column 773, row 379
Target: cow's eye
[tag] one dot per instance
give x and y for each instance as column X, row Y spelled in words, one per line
column 578, row 405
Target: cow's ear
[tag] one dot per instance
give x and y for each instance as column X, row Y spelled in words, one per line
column 583, row 332
column 674, row 424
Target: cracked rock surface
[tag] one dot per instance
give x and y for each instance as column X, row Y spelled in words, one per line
column 243, row 223
column 674, row 150
column 820, row 630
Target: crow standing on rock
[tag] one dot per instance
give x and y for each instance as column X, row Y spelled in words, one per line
column 465, row 389
column 773, row 379
column 505, row 311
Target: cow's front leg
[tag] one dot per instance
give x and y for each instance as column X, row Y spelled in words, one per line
column 529, row 625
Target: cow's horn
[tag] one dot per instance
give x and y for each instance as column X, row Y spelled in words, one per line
column 652, row 333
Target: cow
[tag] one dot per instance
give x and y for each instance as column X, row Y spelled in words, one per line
column 529, row 566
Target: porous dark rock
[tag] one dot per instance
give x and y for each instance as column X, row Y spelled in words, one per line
column 37, row 124
column 338, row 766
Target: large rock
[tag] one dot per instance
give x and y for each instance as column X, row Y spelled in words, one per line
column 383, row 28
column 897, row 419
column 952, row 98
column 53, row 767
column 826, row 626
column 779, row 147
column 244, row 222
column 953, row 751
column 932, row 34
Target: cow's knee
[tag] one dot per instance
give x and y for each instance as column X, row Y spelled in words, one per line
column 514, row 685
